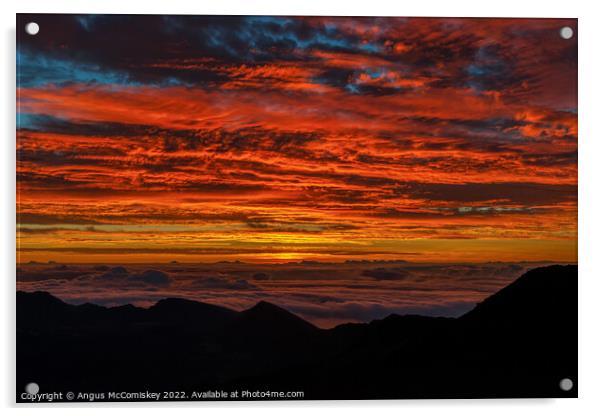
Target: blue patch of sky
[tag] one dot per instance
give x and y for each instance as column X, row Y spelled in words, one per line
column 30, row 121
column 352, row 88
column 36, row 70
column 476, row 70
column 375, row 73
column 277, row 20
column 257, row 30
column 370, row 47
column 40, row 122
column 218, row 39
column 486, row 68
column 87, row 21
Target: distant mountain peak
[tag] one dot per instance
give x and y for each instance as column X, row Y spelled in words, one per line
column 190, row 314
column 270, row 316
column 171, row 302
column 265, row 305
column 39, row 297
column 178, row 307
column 264, row 308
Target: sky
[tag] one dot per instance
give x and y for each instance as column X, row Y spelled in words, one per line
column 145, row 139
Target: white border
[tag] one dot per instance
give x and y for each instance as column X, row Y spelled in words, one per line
column 590, row 207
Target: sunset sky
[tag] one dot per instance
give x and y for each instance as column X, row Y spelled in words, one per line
column 272, row 139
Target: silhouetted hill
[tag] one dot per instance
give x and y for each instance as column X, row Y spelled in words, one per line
column 191, row 314
column 519, row 342
column 39, row 310
column 268, row 318
column 534, row 295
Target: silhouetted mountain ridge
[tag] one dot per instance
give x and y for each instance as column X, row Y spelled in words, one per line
column 189, row 312
column 538, row 291
column 265, row 312
column 519, row 342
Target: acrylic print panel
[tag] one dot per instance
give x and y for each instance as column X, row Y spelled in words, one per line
column 296, row 208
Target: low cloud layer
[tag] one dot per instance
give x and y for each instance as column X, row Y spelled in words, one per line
column 383, row 273
column 325, row 294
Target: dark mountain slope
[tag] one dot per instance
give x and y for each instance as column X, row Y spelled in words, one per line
column 40, row 309
column 537, row 294
column 189, row 315
column 519, row 342
column 268, row 320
